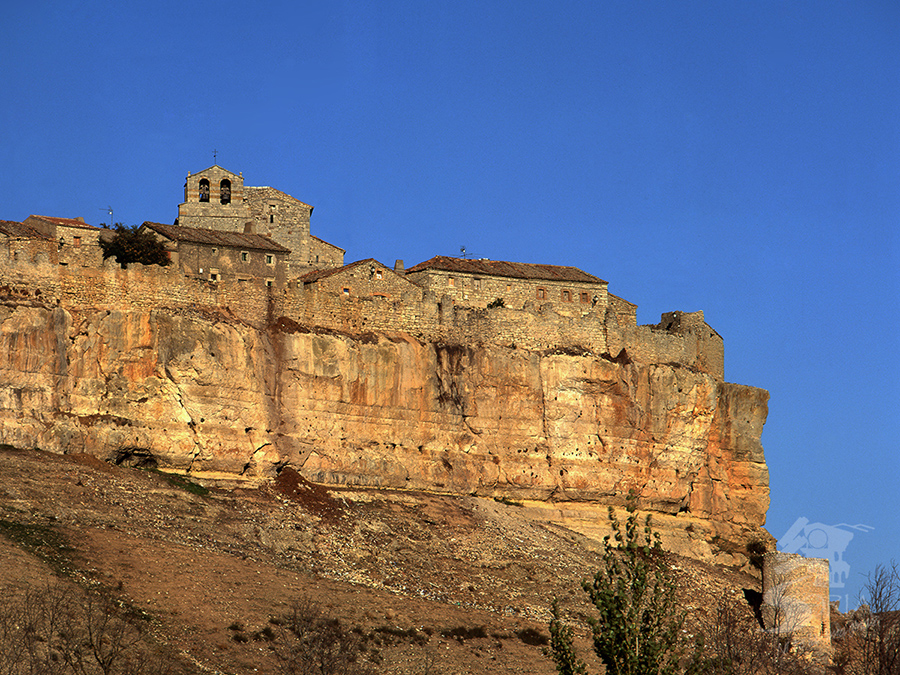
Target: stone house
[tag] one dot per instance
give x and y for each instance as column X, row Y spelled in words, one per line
column 78, row 243
column 624, row 311
column 24, row 243
column 477, row 283
column 361, row 279
column 324, row 255
column 217, row 199
column 217, row 256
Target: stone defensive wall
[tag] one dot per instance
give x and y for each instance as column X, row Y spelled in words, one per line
column 680, row 338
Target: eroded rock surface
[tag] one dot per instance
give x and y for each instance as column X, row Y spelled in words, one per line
column 567, row 432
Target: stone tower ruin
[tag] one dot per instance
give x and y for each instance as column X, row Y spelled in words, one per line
column 796, row 599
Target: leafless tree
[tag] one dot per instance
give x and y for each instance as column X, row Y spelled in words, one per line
column 61, row 630
column 314, row 644
column 870, row 643
column 736, row 644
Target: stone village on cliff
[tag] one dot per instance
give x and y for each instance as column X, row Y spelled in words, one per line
column 258, row 348
column 228, row 233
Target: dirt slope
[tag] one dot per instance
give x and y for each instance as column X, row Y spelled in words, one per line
column 438, row 584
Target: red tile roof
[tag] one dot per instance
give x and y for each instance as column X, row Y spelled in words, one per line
column 196, row 235
column 12, row 228
column 500, row 268
column 67, row 222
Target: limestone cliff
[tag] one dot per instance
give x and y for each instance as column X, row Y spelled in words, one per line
column 563, row 430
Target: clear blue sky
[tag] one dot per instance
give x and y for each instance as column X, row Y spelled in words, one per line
column 737, row 157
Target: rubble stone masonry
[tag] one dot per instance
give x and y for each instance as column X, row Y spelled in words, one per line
column 796, row 598
column 597, row 329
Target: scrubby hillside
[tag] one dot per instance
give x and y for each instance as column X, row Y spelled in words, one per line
column 426, row 583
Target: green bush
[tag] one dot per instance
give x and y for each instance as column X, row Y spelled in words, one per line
column 133, row 245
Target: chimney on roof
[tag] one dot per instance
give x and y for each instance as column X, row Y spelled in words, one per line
column 80, row 219
column 398, row 267
column 249, row 228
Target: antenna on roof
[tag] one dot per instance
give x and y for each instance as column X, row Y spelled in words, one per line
column 215, row 153
column 462, row 252
column 109, row 210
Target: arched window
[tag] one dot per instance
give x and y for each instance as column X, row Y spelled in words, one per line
column 204, row 190
column 225, row 191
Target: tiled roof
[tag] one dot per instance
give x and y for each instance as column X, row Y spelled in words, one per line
column 196, row 235
column 315, row 275
column 500, row 268
column 67, row 222
column 13, row 229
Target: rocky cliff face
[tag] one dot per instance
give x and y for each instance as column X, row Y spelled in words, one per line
column 564, row 431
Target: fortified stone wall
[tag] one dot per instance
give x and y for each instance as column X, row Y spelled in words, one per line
column 420, row 314
column 33, row 251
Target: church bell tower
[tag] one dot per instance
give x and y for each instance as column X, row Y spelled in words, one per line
column 214, row 200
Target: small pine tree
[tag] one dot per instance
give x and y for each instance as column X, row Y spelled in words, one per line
column 637, row 630
column 131, row 244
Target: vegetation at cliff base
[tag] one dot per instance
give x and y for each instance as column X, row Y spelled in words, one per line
column 637, row 629
column 133, row 245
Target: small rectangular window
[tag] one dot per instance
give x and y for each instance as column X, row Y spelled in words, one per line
column 245, row 256
column 270, row 259
column 346, row 291
column 269, row 282
column 567, row 296
column 451, row 281
column 215, row 250
column 76, row 241
column 541, row 294
column 585, row 297
column 377, row 274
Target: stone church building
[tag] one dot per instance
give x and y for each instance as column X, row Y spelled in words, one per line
column 217, row 199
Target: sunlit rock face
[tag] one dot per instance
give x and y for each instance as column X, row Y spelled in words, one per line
column 567, row 433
